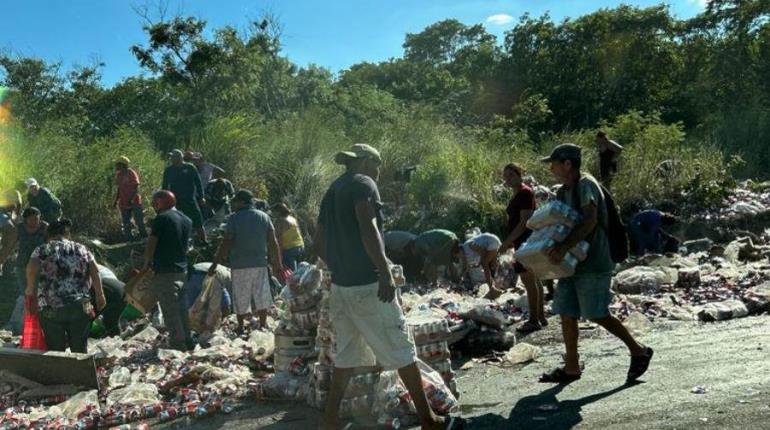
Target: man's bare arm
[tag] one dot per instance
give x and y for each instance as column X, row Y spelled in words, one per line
column 319, row 242
column 370, row 236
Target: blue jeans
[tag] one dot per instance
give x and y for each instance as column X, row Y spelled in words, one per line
column 290, row 257
column 138, row 216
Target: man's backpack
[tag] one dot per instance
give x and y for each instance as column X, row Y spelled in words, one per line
column 617, row 234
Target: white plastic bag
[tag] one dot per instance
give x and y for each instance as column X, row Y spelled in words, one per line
column 521, row 353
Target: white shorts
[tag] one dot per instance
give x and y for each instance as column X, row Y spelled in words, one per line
column 368, row 331
column 251, row 285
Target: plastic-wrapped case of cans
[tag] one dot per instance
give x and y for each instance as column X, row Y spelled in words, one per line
column 556, row 232
column 429, row 331
column 433, row 351
column 551, row 213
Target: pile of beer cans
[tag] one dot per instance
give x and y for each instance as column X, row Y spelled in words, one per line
column 431, row 338
column 296, row 332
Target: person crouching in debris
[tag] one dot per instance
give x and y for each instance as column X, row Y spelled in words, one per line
column 647, row 235
column 480, row 252
column 586, row 294
column 369, row 323
column 66, row 272
column 438, row 248
column 166, row 256
column 250, row 243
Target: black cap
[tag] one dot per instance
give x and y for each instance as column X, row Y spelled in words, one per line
column 565, row 151
column 244, row 196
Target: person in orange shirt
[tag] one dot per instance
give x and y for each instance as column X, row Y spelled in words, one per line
column 127, row 198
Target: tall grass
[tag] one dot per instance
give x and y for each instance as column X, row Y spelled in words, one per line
column 291, row 159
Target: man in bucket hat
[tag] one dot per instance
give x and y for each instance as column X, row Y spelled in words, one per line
column 369, row 323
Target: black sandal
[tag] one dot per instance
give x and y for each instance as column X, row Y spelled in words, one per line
column 454, row 423
column 558, row 376
column 528, row 327
column 639, row 365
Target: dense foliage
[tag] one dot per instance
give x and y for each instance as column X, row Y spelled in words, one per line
column 459, row 104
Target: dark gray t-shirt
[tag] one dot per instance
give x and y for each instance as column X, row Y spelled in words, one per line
column 248, row 229
column 345, row 252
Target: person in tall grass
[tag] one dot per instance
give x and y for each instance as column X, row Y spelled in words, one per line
column 183, row 181
column 43, row 199
column 127, row 198
column 289, row 235
column 609, row 152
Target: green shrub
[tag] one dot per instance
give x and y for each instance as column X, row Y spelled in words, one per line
column 82, row 176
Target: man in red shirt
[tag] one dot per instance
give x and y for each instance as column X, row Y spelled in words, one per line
column 127, row 198
column 519, row 210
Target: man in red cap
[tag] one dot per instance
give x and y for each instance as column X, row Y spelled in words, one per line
column 166, row 257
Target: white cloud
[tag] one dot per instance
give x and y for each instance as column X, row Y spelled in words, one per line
column 500, row 19
column 701, row 3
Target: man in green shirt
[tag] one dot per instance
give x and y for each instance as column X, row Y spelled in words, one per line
column 183, row 181
column 43, row 199
column 437, row 248
column 587, row 293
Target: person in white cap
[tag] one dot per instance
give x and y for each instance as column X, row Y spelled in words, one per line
column 43, row 199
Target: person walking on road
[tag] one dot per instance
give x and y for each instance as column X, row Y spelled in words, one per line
column 519, row 209
column 43, row 199
column 127, row 198
column 166, row 257
column 586, row 294
column 369, row 323
column 183, row 181
column 60, row 276
column 250, row 243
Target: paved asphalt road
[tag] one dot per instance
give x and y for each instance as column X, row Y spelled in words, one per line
column 729, row 358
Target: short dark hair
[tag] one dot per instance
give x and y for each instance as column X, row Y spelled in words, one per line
column 30, row 211
column 516, row 168
column 59, row 227
column 601, row 133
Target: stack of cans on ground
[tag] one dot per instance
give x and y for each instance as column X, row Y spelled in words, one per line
column 359, row 395
column 551, row 224
column 431, row 340
column 296, row 332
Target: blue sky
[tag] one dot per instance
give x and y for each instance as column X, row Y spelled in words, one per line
column 332, row 34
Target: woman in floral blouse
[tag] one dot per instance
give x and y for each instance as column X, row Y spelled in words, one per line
column 66, row 272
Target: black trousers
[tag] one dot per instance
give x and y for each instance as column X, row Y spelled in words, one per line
column 66, row 326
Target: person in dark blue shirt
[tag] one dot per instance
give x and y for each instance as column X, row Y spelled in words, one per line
column 646, row 233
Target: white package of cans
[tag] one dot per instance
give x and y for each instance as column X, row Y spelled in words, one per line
column 551, row 213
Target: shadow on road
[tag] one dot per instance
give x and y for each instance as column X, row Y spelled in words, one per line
column 532, row 412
